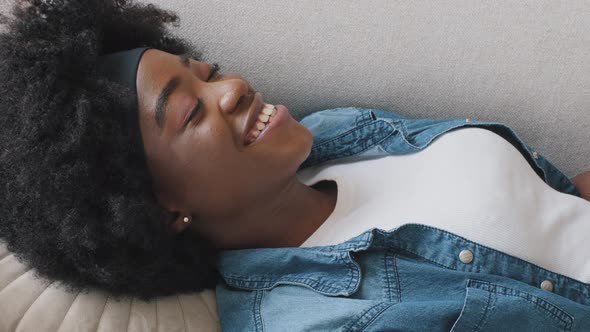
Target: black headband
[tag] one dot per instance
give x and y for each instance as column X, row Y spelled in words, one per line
column 122, row 67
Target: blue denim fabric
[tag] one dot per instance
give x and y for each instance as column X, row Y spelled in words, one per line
column 406, row 279
column 362, row 133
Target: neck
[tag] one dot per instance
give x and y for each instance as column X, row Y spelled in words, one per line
column 287, row 220
column 317, row 204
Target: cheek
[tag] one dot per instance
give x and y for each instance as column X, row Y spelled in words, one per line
column 212, row 159
column 218, row 182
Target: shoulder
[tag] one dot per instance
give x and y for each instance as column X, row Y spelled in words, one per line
column 330, row 122
column 343, row 114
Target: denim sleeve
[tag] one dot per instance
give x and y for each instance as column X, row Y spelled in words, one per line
column 553, row 176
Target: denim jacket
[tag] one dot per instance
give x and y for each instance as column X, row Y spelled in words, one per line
column 411, row 278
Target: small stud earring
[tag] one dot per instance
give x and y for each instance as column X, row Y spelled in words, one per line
column 186, row 219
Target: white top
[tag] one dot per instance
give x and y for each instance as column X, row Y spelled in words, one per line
column 471, row 182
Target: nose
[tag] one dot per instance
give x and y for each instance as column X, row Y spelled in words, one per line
column 235, row 89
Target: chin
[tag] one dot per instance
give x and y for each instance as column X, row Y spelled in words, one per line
column 306, row 140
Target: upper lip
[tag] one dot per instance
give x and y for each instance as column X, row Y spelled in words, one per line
column 253, row 112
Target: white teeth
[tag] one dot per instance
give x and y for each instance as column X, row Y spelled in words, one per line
column 263, row 117
column 267, row 113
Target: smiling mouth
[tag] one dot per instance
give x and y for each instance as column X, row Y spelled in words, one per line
column 262, row 122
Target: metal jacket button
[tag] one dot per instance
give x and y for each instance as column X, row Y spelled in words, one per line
column 466, row 256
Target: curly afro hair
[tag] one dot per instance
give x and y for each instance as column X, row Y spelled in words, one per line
column 76, row 198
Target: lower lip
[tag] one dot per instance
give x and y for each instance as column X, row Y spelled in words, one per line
column 277, row 120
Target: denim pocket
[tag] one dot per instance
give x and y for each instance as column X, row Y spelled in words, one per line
column 493, row 307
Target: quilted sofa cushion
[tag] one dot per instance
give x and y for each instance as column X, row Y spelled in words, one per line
column 31, row 304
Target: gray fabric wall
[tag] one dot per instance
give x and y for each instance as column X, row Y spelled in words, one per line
column 523, row 63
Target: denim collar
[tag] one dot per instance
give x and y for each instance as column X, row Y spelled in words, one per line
column 332, row 270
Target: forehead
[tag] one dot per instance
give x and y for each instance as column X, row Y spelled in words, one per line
column 155, row 68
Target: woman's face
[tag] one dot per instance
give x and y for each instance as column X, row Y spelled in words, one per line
column 203, row 167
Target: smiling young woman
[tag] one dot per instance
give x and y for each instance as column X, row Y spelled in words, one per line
column 240, row 195
column 87, row 202
column 130, row 165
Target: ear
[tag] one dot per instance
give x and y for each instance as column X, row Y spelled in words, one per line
column 181, row 223
column 183, row 220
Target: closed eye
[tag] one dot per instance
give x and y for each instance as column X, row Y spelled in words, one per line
column 214, row 70
column 194, row 111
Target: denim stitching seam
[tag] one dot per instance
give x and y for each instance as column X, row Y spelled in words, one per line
column 367, row 317
column 388, row 296
column 541, row 303
column 398, row 280
column 258, row 323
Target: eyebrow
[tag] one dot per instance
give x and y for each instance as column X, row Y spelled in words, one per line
column 169, row 88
